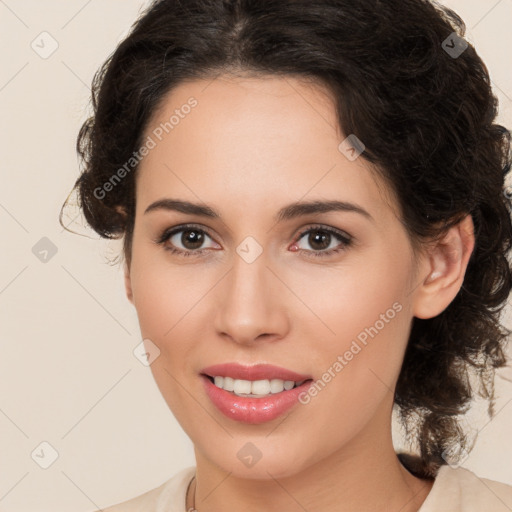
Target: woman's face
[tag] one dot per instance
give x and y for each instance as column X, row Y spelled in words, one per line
column 325, row 293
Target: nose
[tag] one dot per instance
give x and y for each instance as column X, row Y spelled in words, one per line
column 251, row 303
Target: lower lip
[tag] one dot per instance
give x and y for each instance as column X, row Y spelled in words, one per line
column 253, row 410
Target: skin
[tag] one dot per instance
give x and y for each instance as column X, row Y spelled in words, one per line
column 250, row 147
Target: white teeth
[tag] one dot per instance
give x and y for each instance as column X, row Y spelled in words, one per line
column 276, row 385
column 260, row 387
column 256, row 388
column 288, row 384
column 242, row 387
column 229, row 384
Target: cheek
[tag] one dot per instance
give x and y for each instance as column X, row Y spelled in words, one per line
column 365, row 316
column 365, row 296
column 167, row 300
column 165, row 296
column 356, row 375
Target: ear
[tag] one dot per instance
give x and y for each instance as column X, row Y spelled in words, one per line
column 128, row 282
column 443, row 269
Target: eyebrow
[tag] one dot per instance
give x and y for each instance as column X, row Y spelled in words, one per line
column 288, row 212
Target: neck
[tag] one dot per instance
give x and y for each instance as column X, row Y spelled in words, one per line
column 366, row 475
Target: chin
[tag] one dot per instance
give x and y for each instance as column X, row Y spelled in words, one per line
column 259, row 458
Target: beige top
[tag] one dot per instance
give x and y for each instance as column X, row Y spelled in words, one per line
column 454, row 490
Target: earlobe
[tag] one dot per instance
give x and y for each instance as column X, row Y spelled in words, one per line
column 445, row 266
column 128, row 283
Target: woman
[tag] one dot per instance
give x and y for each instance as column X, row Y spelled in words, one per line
column 315, row 228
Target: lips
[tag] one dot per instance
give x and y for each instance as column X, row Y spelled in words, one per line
column 248, row 409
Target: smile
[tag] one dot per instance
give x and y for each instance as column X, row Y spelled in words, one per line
column 254, row 388
column 253, row 394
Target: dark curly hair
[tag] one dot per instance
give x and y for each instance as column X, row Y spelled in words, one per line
column 406, row 85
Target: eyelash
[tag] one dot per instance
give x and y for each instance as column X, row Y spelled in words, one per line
column 345, row 239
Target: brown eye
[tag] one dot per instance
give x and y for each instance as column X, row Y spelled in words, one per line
column 319, row 240
column 192, row 238
column 186, row 240
column 323, row 241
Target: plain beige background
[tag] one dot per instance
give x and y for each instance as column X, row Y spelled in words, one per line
column 68, row 373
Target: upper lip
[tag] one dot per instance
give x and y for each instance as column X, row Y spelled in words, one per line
column 253, row 372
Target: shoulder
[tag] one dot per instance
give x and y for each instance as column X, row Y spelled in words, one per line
column 461, row 490
column 168, row 497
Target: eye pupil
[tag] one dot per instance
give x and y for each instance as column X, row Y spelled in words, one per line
column 193, row 241
column 319, row 237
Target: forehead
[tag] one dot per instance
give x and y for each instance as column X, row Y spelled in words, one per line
column 266, row 140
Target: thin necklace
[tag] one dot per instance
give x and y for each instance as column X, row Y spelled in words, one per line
column 193, row 508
